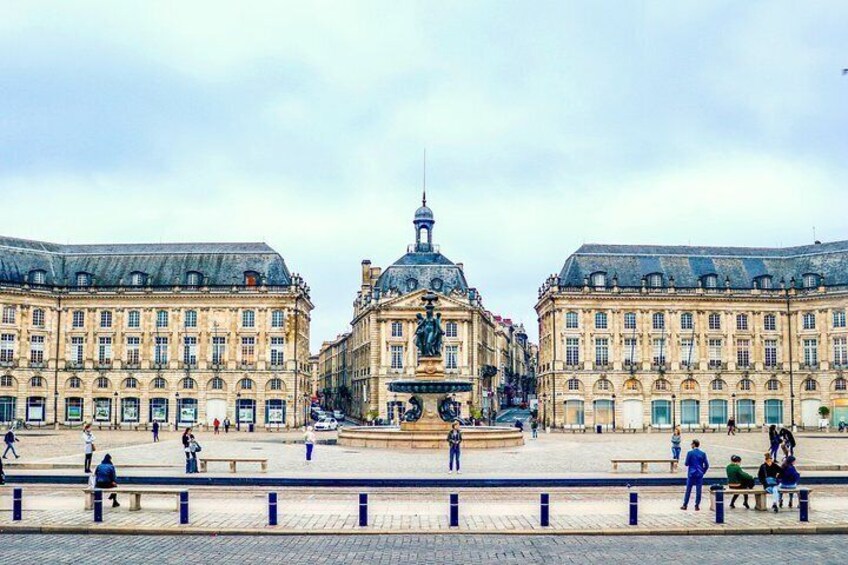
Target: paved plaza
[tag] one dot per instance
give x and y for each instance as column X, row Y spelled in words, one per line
column 425, row 549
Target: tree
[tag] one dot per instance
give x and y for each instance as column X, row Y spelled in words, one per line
column 824, row 411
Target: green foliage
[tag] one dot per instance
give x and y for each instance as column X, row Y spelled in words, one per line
column 824, row 411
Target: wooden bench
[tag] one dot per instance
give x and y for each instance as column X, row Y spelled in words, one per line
column 263, row 463
column 761, row 497
column 644, row 463
column 134, row 494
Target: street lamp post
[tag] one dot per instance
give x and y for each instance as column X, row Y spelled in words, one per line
column 673, row 413
column 238, row 415
column 177, row 415
column 613, row 412
column 116, row 409
column 733, row 401
column 545, row 408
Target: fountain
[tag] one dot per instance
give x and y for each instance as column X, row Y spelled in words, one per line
column 426, row 424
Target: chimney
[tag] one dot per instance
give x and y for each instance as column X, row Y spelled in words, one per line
column 366, row 272
column 461, row 267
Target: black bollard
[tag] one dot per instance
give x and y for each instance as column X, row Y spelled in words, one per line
column 634, row 508
column 17, row 504
column 363, row 509
column 546, row 509
column 98, row 505
column 184, row 507
column 804, row 505
column 454, row 510
column 272, row 508
column 719, row 509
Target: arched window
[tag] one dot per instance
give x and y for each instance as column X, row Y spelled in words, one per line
column 6, row 380
column 277, row 319
column 840, row 385
column 689, row 385
column 810, row 385
column 216, row 383
column 571, row 320
column 411, row 284
column 130, row 382
column 248, row 318
column 710, row 281
column 603, row 385
column 74, row 382
column 662, row 385
column 102, row 382
column 764, row 282
column 811, row 280
column 36, row 382
column 746, row 385
column 451, row 329
column 772, row 385
column 600, row 321
column 137, row 278
column 38, row 277
column 655, row 280
column 188, row 383
column 809, row 321
column 632, row 385
column 275, row 384
column 658, row 320
column 573, row 384
column 769, row 322
column 38, row 317
column 246, row 384
column 159, row 382
column 251, row 278
column 83, row 279
column 599, row 280
column 742, row 322
column 193, row 279
column 714, row 320
column 718, row 384
column 686, row 321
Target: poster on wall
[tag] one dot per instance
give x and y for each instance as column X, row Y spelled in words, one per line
column 187, row 414
column 36, row 413
column 74, row 413
column 101, row 410
column 130, row 413
column 246, row 415
column 275, row 415
column 158, row 414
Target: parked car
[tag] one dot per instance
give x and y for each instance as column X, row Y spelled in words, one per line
column 326, row 424
column 338, row 415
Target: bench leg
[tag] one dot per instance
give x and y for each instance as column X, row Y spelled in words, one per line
column 644, row 467
column 177, row 505
column 712, row 500
column 761, row 501
column 615, row 466
column 264, row 466
column 89, row 500
column 135, row 501
column 202, row 465
column 674, row 466
column 232, row 466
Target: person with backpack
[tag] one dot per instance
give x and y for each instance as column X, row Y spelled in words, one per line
column 697, row 465
column 88, row 441
column 788, row 441
column 10, row 440
column 534, row 428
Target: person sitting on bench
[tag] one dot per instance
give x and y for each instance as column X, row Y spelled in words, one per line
column 739, row 480
column 769, row 473
column 789, row 478
column 105, row 477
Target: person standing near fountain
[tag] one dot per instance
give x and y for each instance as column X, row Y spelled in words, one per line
column 454, row 441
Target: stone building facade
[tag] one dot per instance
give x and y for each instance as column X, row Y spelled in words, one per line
column 646, row 337
column 516, row 379
column 131, row 334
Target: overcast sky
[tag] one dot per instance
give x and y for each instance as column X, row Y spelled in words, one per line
column 546, row 125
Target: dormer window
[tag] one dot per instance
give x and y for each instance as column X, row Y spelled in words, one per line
column 411, row 284
column 765, row 282
column 83, row 279
column 436, row 284
column 655, row 280
column 193, row 278
column 38, row 277
column 710, row 281
column 137, row 278
column 811, row 280
column 599, row 280
column 251, row 278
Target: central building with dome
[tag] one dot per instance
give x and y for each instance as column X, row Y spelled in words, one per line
column 379, row 347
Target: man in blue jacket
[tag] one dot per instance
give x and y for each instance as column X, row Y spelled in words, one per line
column 696, row 462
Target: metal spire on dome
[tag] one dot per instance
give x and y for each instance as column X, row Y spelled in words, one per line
column 424, row 190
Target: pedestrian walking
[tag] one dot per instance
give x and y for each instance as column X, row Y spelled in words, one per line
column 309, row 441
column 155, row 432
column 454, row 441
column 774, row 441
column 697, row 465
column 10, row 438
column 675, row 443
column 731, row 426
column 788, row 441
column 216, row 423
column 226, row 425
column 737, row 479
column 2, row 473
column 88, row 442
column 788, row 479
column 534, row 428
column 105, row 477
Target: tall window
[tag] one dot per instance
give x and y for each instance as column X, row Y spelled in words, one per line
column 38, row 318
column 77, row 350
column 83, row 279
column 770, row 352
column 772, row 385
column 106, row 319
column 600, row 321
column 840, row 352
column 809, row 321
column 810, row 385
column 572, row 351
column 688, row 356
column 248, row 346
column 102, row 382
column 743, row 352
column 655, row 280
column 133, row 348
column 216, row 383
column 742, row 322
column 686, row 322
column 811, row 281
column 774, row 411
column 573, row 385
column 690, row 412
column 159, row 382
column 745, row 412
column 161, row 350
column 397, row 356
column 104, row 350
column 661, row 413
column 276, row 318
column 658, row 346
column 162, row 319
column 277, row 351
column 710, row 281
column 219, row 349
column 658, row 320
column 839, row 318
column 451, row 353
column 133, row 319
column 192, row 279
column 9, row 314
column 38, row 277
column 397, row 329
column 571, row 320
column 36, row 349
column 714, row 320
column 188, row 383
column 191, row 318
column 631, row 351
column 7, row 348
column 599, row 280
column 811, row 352
column 190, row 350
column 769, row 323
column 248, row 318
column 630, row 320
column 601, row 351
column 451, row 329
column 714, row 346
column 137, row 279
column 78, row 319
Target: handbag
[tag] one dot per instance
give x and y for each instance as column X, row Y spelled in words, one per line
column 93, row 448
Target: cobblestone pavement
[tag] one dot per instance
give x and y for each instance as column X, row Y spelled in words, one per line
column 434, row 549
column 554, row 454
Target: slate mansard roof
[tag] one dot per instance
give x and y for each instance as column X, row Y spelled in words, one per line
column 741, row 265
column 428, row 270
column 162, row 264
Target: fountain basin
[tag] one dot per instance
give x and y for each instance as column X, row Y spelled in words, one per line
column 393, row 437
column 429, row 387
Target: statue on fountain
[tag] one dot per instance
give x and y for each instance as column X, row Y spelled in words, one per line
column 428, row 334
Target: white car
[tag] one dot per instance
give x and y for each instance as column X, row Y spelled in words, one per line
column 338, row 415
column 326, row 424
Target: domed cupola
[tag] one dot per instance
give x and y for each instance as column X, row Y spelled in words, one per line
column 423, row 223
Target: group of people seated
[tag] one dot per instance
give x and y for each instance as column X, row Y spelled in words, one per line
column 773, row 478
